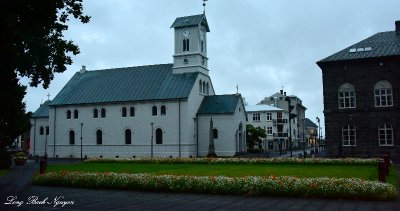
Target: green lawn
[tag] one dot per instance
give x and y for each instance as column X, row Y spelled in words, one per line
column 3, row 171
column 232, row 170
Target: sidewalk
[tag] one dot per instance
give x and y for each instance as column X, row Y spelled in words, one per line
column 17, row 183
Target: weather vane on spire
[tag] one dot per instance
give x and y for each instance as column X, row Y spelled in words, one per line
column 204, row 6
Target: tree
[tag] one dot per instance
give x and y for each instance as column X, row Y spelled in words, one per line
column 32, row 46
column 254, row 135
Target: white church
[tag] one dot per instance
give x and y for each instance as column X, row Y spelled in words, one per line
column 145, row 111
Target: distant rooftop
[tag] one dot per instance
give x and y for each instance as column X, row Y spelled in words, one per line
column 193, row 20
column 251, row 108
column 42, row 111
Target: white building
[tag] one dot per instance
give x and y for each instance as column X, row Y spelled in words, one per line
column 274, row 121
column 145, row 111
column 279, row 100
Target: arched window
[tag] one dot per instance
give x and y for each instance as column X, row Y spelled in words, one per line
column 132, row 111
column 215, row 133
column 383, row 94
column 95, row 113
column 76, row 114
column 68, row 114
column 202, row 46
column 185, row 44
column 154, row 110
column 41, row 131
column 99, row 136
column 159, row 136
column 71, row 137
column 347, row 96
column 200, row 86
column 204, row 87
column 163, row 110
column 349, row 135
column 128, row 136
column 123, row 112
column 103, row 113
column 208, row 89
column 385, row 133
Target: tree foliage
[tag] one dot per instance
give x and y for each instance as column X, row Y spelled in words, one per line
column 254, row 135
column 32, row 46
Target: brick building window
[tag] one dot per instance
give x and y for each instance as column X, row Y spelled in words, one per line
column 347, row 96
column 383, row 94
column 349, row 135
column 385, row 133
column 256, row 117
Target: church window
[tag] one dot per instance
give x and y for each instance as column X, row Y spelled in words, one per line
column 132, row 111
column 200, row 86
column 68, row 114
column 185, row 61
column 204, row 87
column 128, row 136
column 256, row 117
column 76, row 114
column 385, row 133
column 349, row 135
column 185, row 44
column 47, row 130
column 208, row 89
column 103, row 113
column 154, row 110
column 95, row 113
column 163, row 110
column 383, row 94
column 71, row 137
column 159, row 136
column 123, row 112
column 202, row 45
column 215, row 133
column 347, row 96
column 99, row 136
column 41, row 131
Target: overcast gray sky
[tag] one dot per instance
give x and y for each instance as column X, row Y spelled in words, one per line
column 259, row 45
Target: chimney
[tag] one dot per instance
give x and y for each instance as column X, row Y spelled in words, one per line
column 397, row 23
column 281, row 91
column 83, row 70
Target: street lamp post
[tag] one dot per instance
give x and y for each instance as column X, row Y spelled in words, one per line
column 152, row 139
column 81, row 142
column 304, row 143
column 319, row 140
column 45, row 145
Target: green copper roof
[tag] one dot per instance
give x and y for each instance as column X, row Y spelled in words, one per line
column 219, row 104
column 153, row 82
column 42, row 111
column 193, row 20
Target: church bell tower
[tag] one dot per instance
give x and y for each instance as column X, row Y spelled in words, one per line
column 190, row 44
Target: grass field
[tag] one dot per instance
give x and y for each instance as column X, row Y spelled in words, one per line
column 232, row 170
column 3, row 171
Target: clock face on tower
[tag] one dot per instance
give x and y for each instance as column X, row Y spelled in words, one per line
column 186, row 33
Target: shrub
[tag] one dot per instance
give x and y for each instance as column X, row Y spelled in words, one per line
column 5, row 159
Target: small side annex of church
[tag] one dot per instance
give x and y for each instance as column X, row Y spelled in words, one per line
column 145, row 111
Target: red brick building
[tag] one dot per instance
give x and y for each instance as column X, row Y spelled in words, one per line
column 361, row 87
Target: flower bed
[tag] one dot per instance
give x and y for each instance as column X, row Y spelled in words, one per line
column 322, row 187
column 301, row 161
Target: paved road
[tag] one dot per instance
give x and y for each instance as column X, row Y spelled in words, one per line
column 17, row 183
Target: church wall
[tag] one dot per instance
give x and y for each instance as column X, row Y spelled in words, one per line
column 37, row 141
column 113, row 128
column 228, row 141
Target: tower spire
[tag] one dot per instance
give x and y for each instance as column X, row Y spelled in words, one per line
column 204, row 6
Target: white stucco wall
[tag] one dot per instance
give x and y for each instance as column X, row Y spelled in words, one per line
column 37, row 141
column 227, row 125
